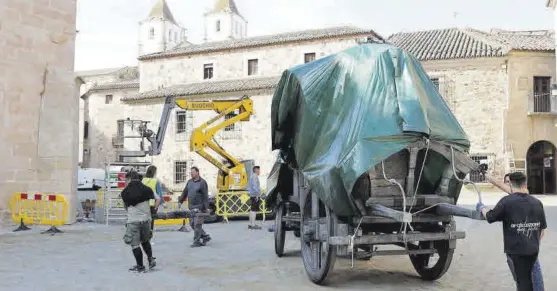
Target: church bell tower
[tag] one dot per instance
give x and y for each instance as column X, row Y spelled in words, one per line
column 159, row 32
column 224, row 22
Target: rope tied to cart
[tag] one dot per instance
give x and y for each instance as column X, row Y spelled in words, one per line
column 465, row 182
column 405, row 224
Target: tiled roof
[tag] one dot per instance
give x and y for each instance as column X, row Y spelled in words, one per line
column 97, row 72
column 128, row 84
column 109, row 71
column 161, row 10
column 540, row 40
column 457, row 43
column 282, row 38
column 440, row 44
column 210, row 87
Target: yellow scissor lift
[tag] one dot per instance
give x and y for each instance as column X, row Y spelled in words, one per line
column 233, row 175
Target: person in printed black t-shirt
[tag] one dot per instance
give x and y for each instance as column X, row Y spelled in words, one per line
column 524, row 222
column 537, row 276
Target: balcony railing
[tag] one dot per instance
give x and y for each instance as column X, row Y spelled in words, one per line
column 542, row 103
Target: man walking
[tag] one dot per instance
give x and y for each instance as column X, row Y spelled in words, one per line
column 524, row 223
column 254, row 195
column 197, row 193
column 138, row 234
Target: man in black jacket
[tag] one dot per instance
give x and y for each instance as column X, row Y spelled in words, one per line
column 136, row 198
column 197, row 193
column 524, row 223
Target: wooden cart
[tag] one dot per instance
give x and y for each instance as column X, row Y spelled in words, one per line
column 391, row 212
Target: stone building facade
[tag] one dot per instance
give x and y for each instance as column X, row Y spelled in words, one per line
column 486, row 78
column 228, row 68
column 498, row 86
column 37, row 87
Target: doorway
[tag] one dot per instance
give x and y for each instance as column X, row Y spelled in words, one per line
column 540, row 165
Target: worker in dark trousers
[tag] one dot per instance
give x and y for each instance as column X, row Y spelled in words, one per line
column 138, row 234
column 524, row 222
column 197, row 193
column 537, row 276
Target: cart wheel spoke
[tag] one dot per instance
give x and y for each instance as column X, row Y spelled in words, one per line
column 317, row 225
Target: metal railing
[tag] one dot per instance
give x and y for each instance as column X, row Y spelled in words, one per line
column 542, row 103
column 476, row 176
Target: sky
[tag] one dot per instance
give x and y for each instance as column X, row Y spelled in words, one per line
column 108, row 29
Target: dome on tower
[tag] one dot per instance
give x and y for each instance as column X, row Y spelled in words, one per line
column 161, row 11
column 225, row 6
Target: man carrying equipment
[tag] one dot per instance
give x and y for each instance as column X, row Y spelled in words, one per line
column 136, row 198
column 524, row 223
column 197, row 193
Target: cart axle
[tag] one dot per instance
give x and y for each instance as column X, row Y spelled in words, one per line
column 441, row 209
column 396, row 238
column 403, row 252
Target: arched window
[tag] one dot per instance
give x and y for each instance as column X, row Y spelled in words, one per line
column 152, row 33
column 218, row 25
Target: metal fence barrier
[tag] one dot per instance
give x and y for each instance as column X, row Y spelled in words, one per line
column 113, row 209
column 109, row 206
column 39, row 209
column 230, row 204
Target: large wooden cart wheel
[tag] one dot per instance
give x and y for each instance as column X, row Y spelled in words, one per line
column 433, row 266
column 317, row 225
column 280, row 230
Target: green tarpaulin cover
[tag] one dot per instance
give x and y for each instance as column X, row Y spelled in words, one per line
column 337, row 117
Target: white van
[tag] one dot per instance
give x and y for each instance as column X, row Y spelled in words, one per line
column 90, row 178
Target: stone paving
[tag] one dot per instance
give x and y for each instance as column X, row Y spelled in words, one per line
column 93, row 257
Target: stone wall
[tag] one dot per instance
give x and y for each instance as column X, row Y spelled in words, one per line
column 38, row 99
column 523, row 129
column 477, row 93
column 272, row 61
